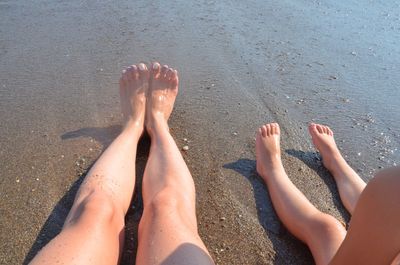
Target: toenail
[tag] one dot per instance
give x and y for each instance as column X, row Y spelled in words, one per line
column 124, row 71
column 142, row 67
column 156, row 66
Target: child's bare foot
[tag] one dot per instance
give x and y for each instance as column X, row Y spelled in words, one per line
column 322, row 137
column 349, row 183
column 268, row 150
column 133, row 86
column 163, row 90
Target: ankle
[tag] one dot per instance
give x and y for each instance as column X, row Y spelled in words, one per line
column 270, row 166
column 275, row 169
column 157, row 125
column 333, row 161
column 337, row 167
column 134, row 128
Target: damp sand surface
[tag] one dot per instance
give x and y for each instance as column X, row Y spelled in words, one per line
column 241, row 64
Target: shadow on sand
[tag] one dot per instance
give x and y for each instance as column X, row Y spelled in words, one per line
column 104, row 136
column 55, row 221
column 288, row 249
column 266, row 213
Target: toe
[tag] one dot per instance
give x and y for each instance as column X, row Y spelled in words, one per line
column 134, row 72
column 313, row 126
column 175, row 76
column 122, row 87
column 121, row 80
column 164, row 70
column 319, row 128
column 175, row 79
column 272, row 128
column 264, row 131
column 143, row 71
column 269, row 129
column 124, row 76
column 330, row 132
column 258, row 133
column 155, row 70
column 169, row 74
column 129, row 73
column 276, row 128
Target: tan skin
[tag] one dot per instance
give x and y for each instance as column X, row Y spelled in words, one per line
column 374, row 233
column 94, row 229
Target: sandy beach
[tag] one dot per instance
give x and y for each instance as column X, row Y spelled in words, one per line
column 241, row 64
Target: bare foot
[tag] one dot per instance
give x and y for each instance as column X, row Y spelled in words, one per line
column 322, row 137
column 349, row 183
column 268, row 150
column 133, row 86
column 163, row 90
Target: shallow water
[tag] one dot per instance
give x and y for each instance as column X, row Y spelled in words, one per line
column 241, row 64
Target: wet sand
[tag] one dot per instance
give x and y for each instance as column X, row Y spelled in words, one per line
column 241, row 64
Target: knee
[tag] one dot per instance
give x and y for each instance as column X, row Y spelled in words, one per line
column 324, row 237
column 170, row 207
column 165, row 201
column 98, row 207
column 326, row 227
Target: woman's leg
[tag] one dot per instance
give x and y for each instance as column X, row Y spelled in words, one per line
column 374, row 233
column 93, row 230
column 168, row 228
column 349, row 183
column 321, row 232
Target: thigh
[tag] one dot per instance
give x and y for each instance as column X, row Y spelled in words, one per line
column 374, row 233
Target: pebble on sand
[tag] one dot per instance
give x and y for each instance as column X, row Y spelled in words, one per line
column 332, row 77
column 185, row 148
